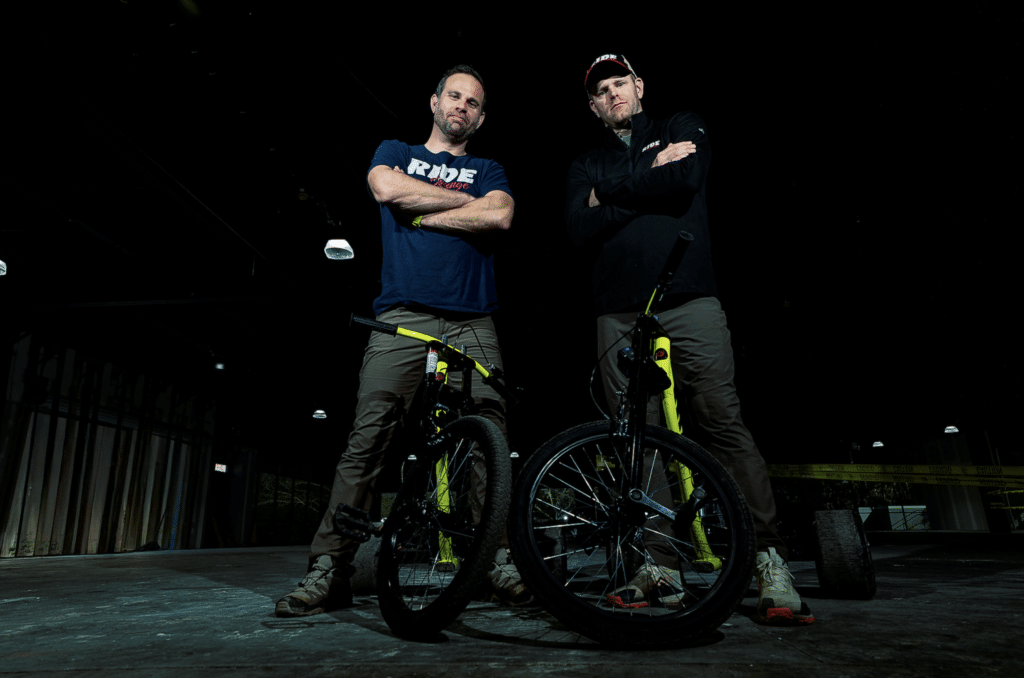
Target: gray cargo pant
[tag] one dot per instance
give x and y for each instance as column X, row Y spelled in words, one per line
column 702, row 367
column 393, row 368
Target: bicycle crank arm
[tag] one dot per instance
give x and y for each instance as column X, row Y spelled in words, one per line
column 682, row 518
column 639, row 497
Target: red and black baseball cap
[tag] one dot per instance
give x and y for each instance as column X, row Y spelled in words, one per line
column 606, row 66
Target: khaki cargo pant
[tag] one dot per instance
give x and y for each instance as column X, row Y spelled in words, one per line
column 393, row 368
column 702, row 367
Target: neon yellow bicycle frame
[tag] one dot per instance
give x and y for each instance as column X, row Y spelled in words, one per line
column 447, row 561
column 661, row 353
column 669, row 407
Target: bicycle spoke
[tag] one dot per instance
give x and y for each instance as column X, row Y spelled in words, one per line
column 569, row 486
column 650, row 475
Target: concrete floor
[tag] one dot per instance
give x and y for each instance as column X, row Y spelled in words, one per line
column 940, row 611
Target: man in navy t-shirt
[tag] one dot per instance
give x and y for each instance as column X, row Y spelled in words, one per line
column 439, row 211
column 439, row 266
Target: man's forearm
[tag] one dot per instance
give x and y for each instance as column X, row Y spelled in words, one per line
column 412, row 196
column 584, row 219
column 489, row 212
column 631, row 191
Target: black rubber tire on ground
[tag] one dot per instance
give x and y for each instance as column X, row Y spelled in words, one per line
column 567, row 506
column 364, row 580
column 418, row 594
column 845, row 568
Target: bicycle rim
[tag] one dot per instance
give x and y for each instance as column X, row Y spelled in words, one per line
column 439, row 541
column 581, row 545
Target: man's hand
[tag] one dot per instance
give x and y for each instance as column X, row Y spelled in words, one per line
column 674, row 152
column 416, row 219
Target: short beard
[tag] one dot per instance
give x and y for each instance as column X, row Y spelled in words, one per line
column 453, row 135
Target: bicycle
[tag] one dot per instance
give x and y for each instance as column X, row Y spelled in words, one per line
column 439, row 538
column 605, row 503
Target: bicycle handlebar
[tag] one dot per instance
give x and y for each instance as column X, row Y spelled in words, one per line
column 675, row 257
column 491, row 376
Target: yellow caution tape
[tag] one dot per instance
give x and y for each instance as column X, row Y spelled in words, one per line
column 926, row 474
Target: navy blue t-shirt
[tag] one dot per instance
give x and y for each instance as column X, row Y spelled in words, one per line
column 427, row 267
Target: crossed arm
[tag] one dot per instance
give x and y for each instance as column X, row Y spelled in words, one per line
column 440, row 208
column 671, row 153
column 597, row 206
column 679, row 169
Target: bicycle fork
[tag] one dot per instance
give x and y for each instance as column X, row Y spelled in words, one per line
column 706, row 560
column 437, row 369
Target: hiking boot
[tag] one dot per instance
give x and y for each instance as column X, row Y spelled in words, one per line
column 505, row 580
column 323, row 589
column 778, row 602
column 651, row 583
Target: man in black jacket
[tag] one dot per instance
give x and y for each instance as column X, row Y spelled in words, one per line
column 627, row 201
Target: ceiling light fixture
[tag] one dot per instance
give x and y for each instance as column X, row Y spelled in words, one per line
column 877, row 443
column 952, row 429
column 338, row 249
column 319, row 414
column 3, row 268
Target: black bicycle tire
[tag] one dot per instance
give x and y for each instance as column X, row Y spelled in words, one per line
column 476, row 558
column 843, row 555
column 614, row 628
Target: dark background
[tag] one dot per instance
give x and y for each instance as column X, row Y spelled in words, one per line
column 170, row 168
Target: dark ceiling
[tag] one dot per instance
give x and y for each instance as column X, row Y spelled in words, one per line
column 173, row 173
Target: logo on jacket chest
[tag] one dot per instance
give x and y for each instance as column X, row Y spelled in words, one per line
column 442, row 175
column 653, row 144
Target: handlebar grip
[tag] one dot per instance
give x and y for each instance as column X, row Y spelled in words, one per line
column 675, row 257
column 375, row 325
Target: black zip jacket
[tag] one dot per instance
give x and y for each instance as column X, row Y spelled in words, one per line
column 642, row 210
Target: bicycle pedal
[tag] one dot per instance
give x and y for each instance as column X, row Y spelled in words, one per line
column 352, row 523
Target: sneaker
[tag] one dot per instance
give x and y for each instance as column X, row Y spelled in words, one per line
column 505, row 580
column 778, row 602
column 323, row 589
column 651, row 583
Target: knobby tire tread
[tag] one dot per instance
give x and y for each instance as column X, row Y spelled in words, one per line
column 843, row 555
